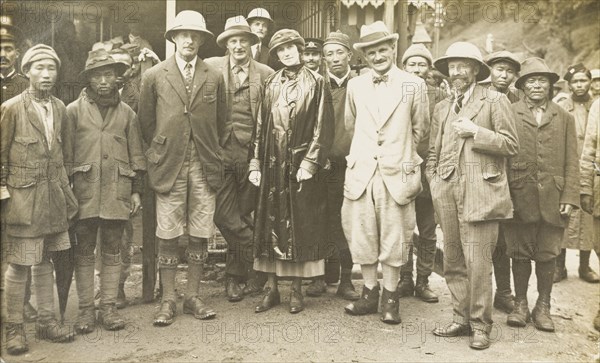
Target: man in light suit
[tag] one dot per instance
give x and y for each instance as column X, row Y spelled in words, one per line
column 244, row 78
column 388, row 113
column 471, row 137
column 182, row 113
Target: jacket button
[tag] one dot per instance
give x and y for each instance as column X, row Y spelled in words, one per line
column 379, row 143
column 375, row 157
column 106, row 156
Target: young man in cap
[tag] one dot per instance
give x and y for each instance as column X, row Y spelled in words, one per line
column 40, row 200
column 474, row 135
column 313, row 53
column 182, row 114
column 544, row 185
column 244, row 78
column 417, row 59
column 383, row 174
column 260, row 21
column 579, row 234
column 589, row 167
column 337, row 54
column 104, row 157
column 504, row 68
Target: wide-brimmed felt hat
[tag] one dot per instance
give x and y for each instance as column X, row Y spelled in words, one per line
column 37, row 53
column 532, row 67
column 188, row 20
column 503, row 56
column 236, row 25
column 374, row 34
column 462, row 50
column 284, row 36
column 419, row 50
column 101, row 58
column 259, row 13
column 337, row 37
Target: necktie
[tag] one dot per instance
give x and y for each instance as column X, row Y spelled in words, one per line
column 458, row 105
column 379, row 79
column 239, row 72
column 257, row 54
column 188, row 78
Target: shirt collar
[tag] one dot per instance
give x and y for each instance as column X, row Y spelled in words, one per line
column 181, row 63
column 389, row 73
column 531, row 106
column 339, row 81
column 12, row 73
column 244, row 66
column 468, row 93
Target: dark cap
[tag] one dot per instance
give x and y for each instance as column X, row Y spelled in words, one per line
column 576, row 68
column 313, row 44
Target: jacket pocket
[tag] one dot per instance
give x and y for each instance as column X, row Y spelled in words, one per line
column 124, row 183
column 120, row 151
column 156, row 151
column 21, row 146
column 209, row 98
column 84, row 181
column 20, row 205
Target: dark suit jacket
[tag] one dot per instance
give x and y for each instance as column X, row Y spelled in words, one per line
column 168, row 120
column 258, row 73
column 545, row 173
column 483, row 158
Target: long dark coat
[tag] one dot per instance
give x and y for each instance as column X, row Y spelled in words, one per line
column 41, row 201
column 294, row 129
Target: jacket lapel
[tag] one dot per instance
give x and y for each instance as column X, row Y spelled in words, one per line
column 200, row 76
column 395, row 88
column 550, row 113
column 525, row 113
column 175, row 79
column 34, row 117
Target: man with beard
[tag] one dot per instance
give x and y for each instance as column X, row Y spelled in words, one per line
column 418, row 60
column 260, row 21
column 504, row 68
column 474, row 135
column 579, row 235
column 544, row 185
column 337, row 54
column 182, row 114
column 383, row 175
column 313, row 54
column 244, row 79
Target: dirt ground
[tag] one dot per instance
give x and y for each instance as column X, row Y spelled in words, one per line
column 323, row 332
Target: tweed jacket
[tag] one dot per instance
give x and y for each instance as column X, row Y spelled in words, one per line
column 545, row 174
column 481, row 159
column 169, row 121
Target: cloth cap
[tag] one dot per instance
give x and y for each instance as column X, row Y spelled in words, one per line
column 417, row 50
column 36, row 53
column 576, row 68
column 313, row 44
column 337, row 37
column 503, row 56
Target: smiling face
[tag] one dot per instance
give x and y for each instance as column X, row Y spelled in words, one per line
column 380, row 57
column 536, row 87
column 337, row 58
column 42, row 75
column 103, row 80
column 580, row 84
column 239, row 48
column 417, row 65
column 312, row 59
column 8, row 56
column 259, row 27
column 288, row 54
column 188, row 42
column 462, row 73
column 502, row 73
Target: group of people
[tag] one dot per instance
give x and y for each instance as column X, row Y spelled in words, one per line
column 305, row 171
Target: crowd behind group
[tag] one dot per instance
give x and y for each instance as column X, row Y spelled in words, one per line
column 305, row 171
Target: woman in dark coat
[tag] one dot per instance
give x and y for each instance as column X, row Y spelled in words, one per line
column 290, row 145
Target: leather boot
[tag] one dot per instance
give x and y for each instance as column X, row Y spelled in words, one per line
column 16, row 343
column 390, row 307
column 560, row 271
column 541, row 312
column 232, row 289
column 53, row 331
column 423, row 292
column 368, row 303
column 521, row 272
column 84, row 281
column 296, row 300
column 585, row 271
column 504, row 301
column 317, row 287
column 270, row 298
column 109, row 287
column 406, row 286
column 255, row 283
column 121, row 298
column 346, row 289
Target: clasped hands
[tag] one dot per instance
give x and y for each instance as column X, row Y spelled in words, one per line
column 464, row 127
column 255, row 176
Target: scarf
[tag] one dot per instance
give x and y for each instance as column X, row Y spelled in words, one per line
column 110, row 100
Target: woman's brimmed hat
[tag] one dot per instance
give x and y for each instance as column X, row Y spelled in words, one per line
column 101, row 58
column 236, row 25
column 374, row 34
column 535, row 66
column 284, row 36
column 462, row 50
column 188, row 20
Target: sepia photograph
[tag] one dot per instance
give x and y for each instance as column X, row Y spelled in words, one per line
column 300, row 181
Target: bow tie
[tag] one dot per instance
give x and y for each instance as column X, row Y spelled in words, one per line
column 379, row 79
